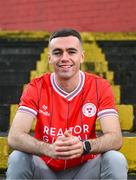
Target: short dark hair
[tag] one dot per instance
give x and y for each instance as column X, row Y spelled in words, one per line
column 64, row 33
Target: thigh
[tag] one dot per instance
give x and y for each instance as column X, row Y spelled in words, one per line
column 26, row 166
column 88, row 170
column 41, row 170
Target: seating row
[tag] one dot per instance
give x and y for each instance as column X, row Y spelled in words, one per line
column 118, row 47
column 128, row 150
column 7, row 66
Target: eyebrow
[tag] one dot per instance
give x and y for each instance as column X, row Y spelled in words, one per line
column 59, row 49
column 56, row 49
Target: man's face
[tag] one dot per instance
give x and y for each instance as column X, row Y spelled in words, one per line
column 65, row 54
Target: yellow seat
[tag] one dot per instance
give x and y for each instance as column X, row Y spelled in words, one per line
column 13, row 109
column 125, row 117
column 129, row 150
column 4, row 152
column 116, row 92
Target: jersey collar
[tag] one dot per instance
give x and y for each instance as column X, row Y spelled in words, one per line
column 71, row 95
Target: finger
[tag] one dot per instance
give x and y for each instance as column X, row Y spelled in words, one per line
column 68, row 133
column 69, row 157
column 69, row 148
column 67, row 142
column 61, row 139
column 69, row 154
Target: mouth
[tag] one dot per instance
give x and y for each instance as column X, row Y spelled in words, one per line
column 64, row 66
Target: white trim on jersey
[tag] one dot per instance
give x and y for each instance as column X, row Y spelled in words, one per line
column 27, row 110
column 71, row 95
column 107, row 112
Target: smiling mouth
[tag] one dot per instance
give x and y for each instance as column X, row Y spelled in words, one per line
column 65, row 66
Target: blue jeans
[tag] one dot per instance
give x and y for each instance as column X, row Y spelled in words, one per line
column 110, row 165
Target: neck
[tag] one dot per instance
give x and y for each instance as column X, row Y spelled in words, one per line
column 68, row 85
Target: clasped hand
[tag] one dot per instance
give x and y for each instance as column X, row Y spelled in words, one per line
column 66, row 147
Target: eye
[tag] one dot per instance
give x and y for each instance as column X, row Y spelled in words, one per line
column 57, row 53
column 72, row 52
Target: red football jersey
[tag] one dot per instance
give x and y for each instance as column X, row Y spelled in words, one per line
column 57, row 110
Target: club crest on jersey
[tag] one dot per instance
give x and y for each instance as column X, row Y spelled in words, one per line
column 89, row 109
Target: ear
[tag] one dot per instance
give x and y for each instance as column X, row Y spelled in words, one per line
column 49, row 58
column 82, row 57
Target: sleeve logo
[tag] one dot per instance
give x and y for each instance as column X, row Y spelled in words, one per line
column 89, row 109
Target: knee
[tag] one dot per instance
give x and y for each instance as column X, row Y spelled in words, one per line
column 18, row 165
column 17, row 156
column 115, row 157
column 116, row 164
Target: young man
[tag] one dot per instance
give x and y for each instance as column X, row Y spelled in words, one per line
column 66, row 104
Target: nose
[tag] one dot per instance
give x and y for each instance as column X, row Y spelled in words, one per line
column 65, row 56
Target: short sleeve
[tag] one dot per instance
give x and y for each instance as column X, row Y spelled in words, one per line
column 29, row 99
column 106, row 100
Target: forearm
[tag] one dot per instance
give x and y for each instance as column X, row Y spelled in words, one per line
column 27, row 143
column 20, row 139
column 106, row 142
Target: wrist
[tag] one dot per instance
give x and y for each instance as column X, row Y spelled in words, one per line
column 86, row 147
column 42, row 148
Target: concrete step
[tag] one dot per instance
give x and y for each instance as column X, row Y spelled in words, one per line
column 123, row 65
column 12, row 78
column 4, row 117
column 118, row 47
column 19, row 66
column 128, row 94
column 120, row 58
column 10, row 94
column 20, row 50
column 125, row 77
column 19, row 58
column 21, row 46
